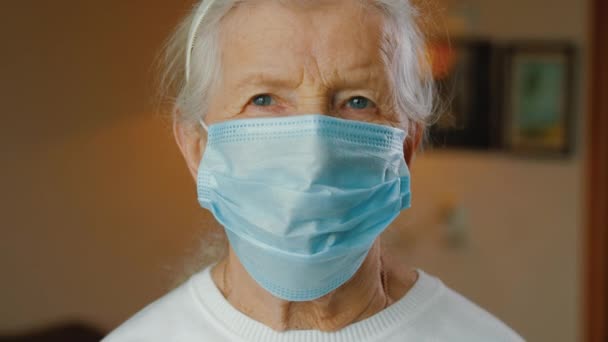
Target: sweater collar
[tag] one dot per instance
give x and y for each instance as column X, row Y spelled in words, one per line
column 235, row 323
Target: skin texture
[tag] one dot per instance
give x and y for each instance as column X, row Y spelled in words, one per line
column 309, row 58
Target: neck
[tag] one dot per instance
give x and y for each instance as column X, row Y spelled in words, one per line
column 377, row 284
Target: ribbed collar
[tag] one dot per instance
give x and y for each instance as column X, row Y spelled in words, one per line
column 240, row 326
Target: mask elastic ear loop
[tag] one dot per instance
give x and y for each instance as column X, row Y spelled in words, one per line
column 203, row 124
column 201, row 11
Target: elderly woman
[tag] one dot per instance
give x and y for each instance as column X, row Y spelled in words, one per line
column 298, row 120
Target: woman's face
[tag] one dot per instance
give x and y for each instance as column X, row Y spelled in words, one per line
column 296, row 57
column 300, row 57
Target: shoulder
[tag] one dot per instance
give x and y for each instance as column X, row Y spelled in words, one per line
column 177, row 312
column 452, row 317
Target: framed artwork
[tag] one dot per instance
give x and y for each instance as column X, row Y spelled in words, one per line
column 538, row 99
column 463, row 71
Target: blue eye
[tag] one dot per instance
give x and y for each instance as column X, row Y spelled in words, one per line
column 358, row 102
column 262, row 100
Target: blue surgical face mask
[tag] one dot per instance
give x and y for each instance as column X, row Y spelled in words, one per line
column 303, row 198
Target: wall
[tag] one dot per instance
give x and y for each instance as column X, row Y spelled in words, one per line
column 522, row 259
column 99, row 211
column 97, row 206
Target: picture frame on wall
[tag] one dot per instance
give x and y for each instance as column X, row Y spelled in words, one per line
column 463, row 72
column 537, row 104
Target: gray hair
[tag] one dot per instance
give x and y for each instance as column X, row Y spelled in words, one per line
column 191, row 61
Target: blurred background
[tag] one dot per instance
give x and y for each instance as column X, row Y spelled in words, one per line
column 99, row 213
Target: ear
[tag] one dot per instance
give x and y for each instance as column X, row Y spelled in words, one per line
column 191, row 141
column 411, row 144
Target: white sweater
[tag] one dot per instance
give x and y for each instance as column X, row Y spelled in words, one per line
column 197, row 311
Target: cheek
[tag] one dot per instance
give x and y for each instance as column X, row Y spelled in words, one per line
column 202, row 147
column 390, row 113
column 222, row 107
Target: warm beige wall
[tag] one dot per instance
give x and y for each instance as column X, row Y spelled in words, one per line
column 98, row 209
column 525, row 216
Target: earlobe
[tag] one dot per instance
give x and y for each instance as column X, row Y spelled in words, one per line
column 190, row 143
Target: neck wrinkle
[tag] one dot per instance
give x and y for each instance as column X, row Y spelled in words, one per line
column 361, row 297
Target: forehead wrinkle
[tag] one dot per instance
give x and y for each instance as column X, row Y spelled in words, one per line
column 367, row 76
column 254, row 79
column 352, row 55
column 346, row 70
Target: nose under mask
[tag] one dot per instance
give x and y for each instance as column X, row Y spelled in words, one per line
column 303, row 198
